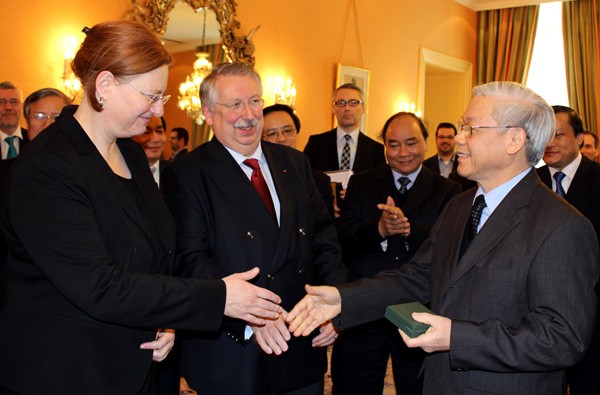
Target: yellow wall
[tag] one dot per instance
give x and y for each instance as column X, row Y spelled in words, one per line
column 302, row 39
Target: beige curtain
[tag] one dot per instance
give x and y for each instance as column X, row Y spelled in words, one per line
column 582, row 59
column 201, row 133
column 505, row 43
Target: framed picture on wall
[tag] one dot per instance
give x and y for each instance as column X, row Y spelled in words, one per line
column 360, row 77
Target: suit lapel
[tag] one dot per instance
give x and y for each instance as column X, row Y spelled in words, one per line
column 498, row 225
column 237, row 188
column 278, row 165
column 423, row 186
column 579, row 188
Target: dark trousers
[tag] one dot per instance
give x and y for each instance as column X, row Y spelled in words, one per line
column 360, row 357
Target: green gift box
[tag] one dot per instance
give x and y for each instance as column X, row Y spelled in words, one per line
column 401, row 316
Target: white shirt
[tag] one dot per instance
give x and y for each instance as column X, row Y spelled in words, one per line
column 569, row 171
column 16, row 142
column 155, row 169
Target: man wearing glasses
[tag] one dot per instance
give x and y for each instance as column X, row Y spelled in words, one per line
column 345, row 147
column 239, row 202
column 444, row 162
column 509, row 268
column 41, row 109
column 12, row 136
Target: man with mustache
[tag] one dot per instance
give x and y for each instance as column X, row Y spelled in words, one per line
column 237, row 202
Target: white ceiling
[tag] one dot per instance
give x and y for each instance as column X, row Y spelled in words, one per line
column 482, row 5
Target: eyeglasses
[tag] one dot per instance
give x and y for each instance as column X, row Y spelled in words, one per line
column 39, row 117
column 151, row 98
column 343, row 102
column 468, row 129
column 12, row 102
column 238, row 106
column 272, row 134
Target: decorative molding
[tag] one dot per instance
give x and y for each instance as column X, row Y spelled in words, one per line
column 484, row 5
column 428, row 57
column 155, row 15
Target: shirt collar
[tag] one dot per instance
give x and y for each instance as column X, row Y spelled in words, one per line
column 494, row 197
column 412, row 176
column 239, row 158
column 354, row 134
column 18, row 132
column 569, row 169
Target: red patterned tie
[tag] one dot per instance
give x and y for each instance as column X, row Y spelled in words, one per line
column 258, row 181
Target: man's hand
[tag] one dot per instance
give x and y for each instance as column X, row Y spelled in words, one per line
column 437, row 337
column 248, row 302
column 392, row 220
column 165, row 339
column 326, row 337
column 273, row 336
column 320, row 305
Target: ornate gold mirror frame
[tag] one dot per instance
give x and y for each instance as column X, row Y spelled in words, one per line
column 155, row 15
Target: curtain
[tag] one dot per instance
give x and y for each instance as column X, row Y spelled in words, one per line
column 582, row 59
column 202, row 133
column 505, row 43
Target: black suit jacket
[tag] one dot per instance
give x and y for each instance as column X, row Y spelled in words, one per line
column 358, row 224
column 323, row 184
column 321, row 150
column 521, row 298
column 433, row 164
column 180, row 153
column 584, row 192
column 85, row 258
column 224, row 227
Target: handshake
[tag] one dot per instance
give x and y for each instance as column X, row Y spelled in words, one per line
column 260, row 308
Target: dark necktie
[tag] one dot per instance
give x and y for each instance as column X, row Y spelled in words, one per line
column 345, row 162
column 475, row 217
column 258, row 182
column 12, row 150
column 404, row 181
column 558, row 177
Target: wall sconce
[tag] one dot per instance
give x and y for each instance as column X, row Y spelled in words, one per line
column 285, row 95
column 71, row 84
column 410, row 107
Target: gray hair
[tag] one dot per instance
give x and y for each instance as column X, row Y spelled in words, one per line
column 10, row 85
column 522, row 107
column 349, row 85
column 39, row 95
column 208, row 91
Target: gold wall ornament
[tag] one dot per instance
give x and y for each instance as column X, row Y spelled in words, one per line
column 155, row 15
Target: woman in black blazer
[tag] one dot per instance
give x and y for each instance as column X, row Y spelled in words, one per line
column 90, row 241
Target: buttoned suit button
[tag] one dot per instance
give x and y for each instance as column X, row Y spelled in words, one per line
column 302, row 231
column 250, row 234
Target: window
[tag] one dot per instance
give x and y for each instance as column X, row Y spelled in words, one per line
column 547, row 75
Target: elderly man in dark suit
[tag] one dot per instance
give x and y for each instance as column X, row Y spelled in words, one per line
column 238, row 201
column 577, row 179
column 510, row 279
column 408, row 189
column 345, row 147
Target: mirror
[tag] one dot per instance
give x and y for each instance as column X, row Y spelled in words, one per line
column 155, row 15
